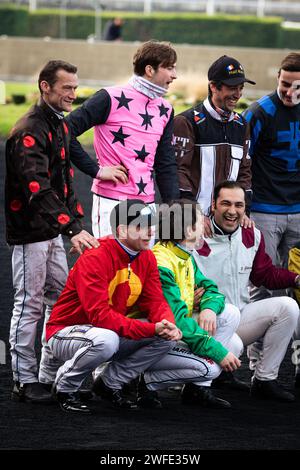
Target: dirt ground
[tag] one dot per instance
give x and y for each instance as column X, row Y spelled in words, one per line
column 248, row 425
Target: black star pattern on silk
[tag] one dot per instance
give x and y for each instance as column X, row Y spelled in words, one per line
column 146, row 119
column 123, row 101
column 141, row 185
column 119, row 136
column 163, row 110
column 141, row 154
column 152, row 174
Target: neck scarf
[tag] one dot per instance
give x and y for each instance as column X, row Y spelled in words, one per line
column 147, row 88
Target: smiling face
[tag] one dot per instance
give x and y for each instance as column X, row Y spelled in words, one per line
column 227, row 97
column 289, row 87
column 135, row 237
column 62, row 94
column 229, row 208
column 162, row 76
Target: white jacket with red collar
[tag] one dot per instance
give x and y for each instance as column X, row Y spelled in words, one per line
column 234, row 260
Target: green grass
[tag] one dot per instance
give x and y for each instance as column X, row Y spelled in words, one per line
column 20, row 88
column 10, row 113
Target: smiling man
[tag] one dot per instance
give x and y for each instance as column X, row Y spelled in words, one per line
column 212, row 140
column 234, row 257
column 133, row 128
column 96, row 320
column 40, row 207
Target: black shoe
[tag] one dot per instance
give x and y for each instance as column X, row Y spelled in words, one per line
column 84, row 394
column 269, row 389
column 147, row 398
column 116, row 397
column 131, row 387
column 195, row 395
column 229, row 381
column 31, row 392
column 71, row 403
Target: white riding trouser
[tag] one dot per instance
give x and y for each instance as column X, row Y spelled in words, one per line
column 39, row 272
column 180, row 365
column 82, row 348
column 267, row 327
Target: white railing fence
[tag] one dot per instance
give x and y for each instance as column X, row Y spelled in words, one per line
column 256, row 7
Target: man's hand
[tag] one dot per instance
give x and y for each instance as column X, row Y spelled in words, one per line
column 246, row 222
column 117, row 174
column 83, row 240
column 207, row 227
column 230, row 362
column 207, row 320
column 167, row 330
column 197, row 296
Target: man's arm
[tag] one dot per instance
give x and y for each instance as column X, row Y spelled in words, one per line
column 199, row 341
column 211, row 303
column 32, row 165
column 255, row 121
column 211, row 299
column 165, row 165
column 245, row 174
column 184, row 141
column 94, row 111
column 264, row 273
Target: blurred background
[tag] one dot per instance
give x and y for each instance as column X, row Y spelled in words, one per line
column 100, row 37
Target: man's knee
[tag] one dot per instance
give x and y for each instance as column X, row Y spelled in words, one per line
column 231, row 315
column 215, row 371
column 236, row 345
column 289, row 308
column 205, row 368
column 107, row 343
column 164, row 345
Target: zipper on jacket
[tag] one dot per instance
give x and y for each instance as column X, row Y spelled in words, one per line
column 129, row 271
column 224, row 131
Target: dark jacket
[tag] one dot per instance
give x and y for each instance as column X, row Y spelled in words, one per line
column 39, row 198
column 275, row 155
column 209, row 151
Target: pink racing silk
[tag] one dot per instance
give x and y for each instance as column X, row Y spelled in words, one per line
column 130, row 137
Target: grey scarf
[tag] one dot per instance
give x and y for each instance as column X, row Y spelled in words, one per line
column 147, row 88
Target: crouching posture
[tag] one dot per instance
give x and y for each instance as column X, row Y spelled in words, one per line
column 210, row 343
column 91, row 322
column 236, row 256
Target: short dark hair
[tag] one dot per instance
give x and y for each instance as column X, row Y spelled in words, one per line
column 175, row 217
column 131, row 211
column 49, row 71
column 217, row 84
column 153, row 53
column 291, row 63
column 227, row 185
